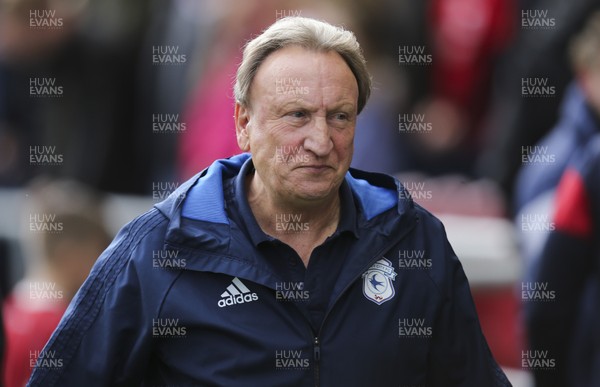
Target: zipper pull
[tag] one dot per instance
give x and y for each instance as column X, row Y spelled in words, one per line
column 317, row 349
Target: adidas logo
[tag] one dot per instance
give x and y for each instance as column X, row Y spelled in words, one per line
column 236, row 293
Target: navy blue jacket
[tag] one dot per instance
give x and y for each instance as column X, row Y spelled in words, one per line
column 213, row 316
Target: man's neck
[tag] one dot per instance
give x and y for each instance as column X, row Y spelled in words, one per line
column 301, row 225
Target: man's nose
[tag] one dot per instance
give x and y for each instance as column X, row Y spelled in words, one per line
column 318, row 139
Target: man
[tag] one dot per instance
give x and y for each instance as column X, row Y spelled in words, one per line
column 567, row 328
column 280, row 266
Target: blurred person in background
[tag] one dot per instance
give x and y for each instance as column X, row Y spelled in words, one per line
column 175, row 50
column 514, row 120
column 465, row 38
column 566, row 326
column 62, row 238
column 578, row 120
column 568, row 261
column 432, row 63
column 544, row 163
column 24, row 51
column 75, row 83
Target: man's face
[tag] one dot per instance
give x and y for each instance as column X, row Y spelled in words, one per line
column 299, row 126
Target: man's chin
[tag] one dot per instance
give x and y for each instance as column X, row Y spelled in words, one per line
column 314, row 194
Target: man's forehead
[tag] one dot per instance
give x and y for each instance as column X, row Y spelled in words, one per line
column 301, row 60
column 291, row 73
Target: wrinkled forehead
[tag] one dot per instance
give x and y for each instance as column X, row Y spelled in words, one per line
column 298, row 71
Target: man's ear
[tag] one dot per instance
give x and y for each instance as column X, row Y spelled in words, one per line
column 242, row 119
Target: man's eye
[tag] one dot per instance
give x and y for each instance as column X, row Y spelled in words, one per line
column 341, row 116
column 298, row 114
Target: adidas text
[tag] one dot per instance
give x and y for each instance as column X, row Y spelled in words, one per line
column 236, row 293
column 239, row 299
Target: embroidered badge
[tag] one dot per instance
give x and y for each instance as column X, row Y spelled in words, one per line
column 377, row 282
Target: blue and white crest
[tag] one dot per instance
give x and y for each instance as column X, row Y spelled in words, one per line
column 377, row 281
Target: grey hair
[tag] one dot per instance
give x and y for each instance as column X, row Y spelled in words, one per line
column 308, row 33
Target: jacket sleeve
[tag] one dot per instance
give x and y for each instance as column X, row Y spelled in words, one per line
column 459, row 354
column 103, row 339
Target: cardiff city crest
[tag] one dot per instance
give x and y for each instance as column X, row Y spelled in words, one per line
column 377, row 282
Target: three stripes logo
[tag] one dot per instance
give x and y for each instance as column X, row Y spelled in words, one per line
column 236, row 293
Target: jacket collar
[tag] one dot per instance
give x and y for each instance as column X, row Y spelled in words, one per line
column 198, row 221
column 201, row 198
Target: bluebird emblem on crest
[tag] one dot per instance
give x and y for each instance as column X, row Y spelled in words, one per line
column 377, row 281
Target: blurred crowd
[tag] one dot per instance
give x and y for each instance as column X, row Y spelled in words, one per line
column 493, row 104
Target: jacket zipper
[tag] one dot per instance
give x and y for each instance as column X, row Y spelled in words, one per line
column 317, row 359
column 316, row 341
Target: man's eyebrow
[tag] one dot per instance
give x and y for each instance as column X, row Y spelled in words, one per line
column 343, row 105
column 282, row 105
column 295, row 103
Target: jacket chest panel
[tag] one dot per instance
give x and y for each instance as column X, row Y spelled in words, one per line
column 223, row 324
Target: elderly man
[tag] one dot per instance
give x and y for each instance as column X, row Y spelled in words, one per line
column 279, row 266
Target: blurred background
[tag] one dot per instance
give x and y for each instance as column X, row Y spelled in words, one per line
column 106, row 106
